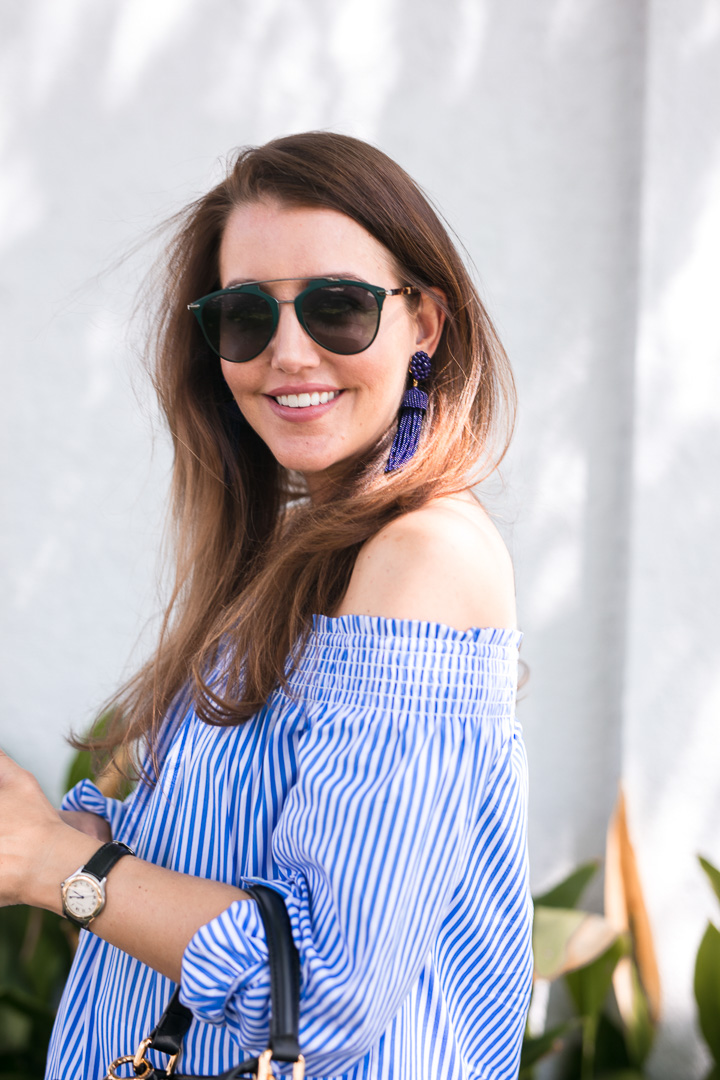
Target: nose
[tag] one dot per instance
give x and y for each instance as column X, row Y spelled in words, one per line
column 291, row 348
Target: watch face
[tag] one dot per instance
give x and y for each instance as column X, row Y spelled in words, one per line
column 83, row 897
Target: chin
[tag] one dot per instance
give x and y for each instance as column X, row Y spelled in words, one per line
column 313, row 472
column 316, row 462
column 307, row 464
column 317, row 471
column 304, row 454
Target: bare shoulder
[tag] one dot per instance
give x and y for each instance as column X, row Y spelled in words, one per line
column 443, row 563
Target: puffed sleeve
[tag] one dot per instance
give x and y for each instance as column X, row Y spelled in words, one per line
column 407, row 724
column 87, row 796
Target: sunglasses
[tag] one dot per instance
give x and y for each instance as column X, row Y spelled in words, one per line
column 341, row 316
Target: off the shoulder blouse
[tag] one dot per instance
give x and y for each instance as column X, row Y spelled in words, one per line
column 384, row 795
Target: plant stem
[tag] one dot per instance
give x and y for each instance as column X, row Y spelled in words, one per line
column 589, row 1033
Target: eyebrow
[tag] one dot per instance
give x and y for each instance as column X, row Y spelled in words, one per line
column 345, row 275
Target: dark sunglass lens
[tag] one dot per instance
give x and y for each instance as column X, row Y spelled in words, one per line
column 341, row 318
column 238, row 325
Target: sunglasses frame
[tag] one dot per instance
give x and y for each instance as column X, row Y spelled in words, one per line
column 253, row 289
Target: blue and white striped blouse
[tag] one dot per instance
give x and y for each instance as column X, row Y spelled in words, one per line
column 384, row 796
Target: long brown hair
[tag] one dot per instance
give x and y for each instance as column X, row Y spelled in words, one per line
column 254, row 561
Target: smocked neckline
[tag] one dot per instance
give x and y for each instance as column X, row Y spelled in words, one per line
column 380, row 626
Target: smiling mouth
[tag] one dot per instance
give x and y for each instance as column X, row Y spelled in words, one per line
column 304, row 401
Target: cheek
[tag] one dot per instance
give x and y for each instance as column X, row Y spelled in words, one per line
column 389, row 380
column 236, row 378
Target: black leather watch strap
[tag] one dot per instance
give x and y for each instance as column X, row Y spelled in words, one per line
column 102, row 862
column 97, row 867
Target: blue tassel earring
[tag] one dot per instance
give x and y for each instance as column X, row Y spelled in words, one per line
column 412, row 410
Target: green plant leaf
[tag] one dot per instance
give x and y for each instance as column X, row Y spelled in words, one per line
column 36, row 949
column 639, row 1026
column 603, row 1068
column 707, row 988
column 552, row 930
column 611, row 1053
column 109, row 774
column 626, row 910
column 15, row 1028
column 621, row 1074
column 535, row 1047
column 589, row 985
column 565, row 939
column 80, row 768
column 35, row 954
column 25, row 1004
column 82, row 765
column 567, row 894
column 713, row 874
column 25, row 1028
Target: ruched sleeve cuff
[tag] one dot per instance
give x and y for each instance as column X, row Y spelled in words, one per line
column 87, row 796
column 225, row 973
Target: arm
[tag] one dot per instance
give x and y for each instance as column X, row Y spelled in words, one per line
column 150, row 913
column 86, row 822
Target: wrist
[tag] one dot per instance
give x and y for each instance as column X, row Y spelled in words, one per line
column 83, row 893
column 62, row 853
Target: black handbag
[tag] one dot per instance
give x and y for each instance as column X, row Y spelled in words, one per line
column 168, row 1034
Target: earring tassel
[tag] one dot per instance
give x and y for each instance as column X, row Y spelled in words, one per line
column 405, row 443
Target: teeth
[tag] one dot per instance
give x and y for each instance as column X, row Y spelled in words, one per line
column 302, row 401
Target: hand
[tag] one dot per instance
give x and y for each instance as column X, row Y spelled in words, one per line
column 30, row 831
column 151, row 912
column 85, row 822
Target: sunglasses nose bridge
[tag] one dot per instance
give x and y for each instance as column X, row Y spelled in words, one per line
column 294, row 303
column 291, row 347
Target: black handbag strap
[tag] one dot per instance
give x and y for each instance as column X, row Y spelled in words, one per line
column 284, row 973
column 173, row 1025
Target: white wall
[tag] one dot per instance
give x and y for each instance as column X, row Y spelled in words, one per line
column 574, row 146
column 671, row 713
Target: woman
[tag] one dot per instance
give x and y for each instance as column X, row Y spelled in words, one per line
column 322, row 712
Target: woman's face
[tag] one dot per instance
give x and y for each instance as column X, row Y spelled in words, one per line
column 266, row 240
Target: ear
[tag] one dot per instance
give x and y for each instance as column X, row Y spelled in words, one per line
column 430, row 319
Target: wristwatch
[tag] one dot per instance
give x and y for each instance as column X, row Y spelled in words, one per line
column 83, row 893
